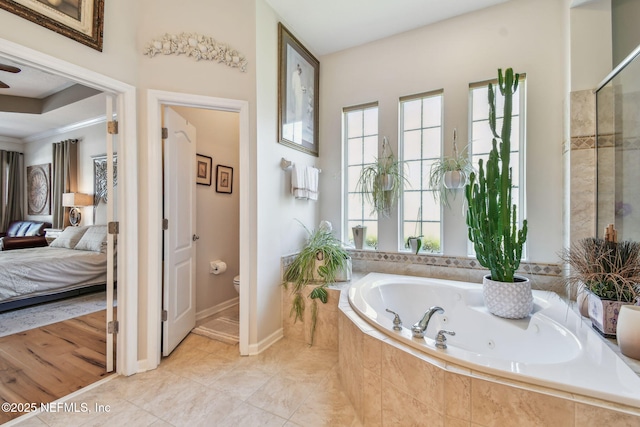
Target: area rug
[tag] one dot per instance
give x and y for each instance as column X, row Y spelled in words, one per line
column 24, row 319
column 221, row 328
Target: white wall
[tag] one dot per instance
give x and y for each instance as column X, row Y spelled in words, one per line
column 217, row 214
column 91, row 142
column 526, row 35
column 277, row 211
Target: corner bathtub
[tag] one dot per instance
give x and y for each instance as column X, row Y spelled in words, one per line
column 553, row 347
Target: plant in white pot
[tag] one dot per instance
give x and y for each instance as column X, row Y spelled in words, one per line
column 449, row 173
column 492, row 216
column 610, row 274
column 381, row 183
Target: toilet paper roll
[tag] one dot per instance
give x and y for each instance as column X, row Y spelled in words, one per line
column 218, row 266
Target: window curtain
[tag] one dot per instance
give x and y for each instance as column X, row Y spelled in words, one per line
column 64, row 180
column 10, row 188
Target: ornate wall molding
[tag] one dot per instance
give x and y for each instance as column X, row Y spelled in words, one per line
column 198, row 47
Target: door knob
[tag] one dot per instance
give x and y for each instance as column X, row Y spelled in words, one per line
column 195, row 237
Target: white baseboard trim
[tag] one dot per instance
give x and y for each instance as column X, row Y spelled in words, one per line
column 217, row 308
column 143, row 366
column 258, row 348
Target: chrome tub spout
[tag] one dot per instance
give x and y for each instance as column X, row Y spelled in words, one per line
column 420, row 328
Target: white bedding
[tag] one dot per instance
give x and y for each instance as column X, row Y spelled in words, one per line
column 38, row 271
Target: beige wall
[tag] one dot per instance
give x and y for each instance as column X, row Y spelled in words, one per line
column 91, row 142
column 526, row 35
column 217, row 214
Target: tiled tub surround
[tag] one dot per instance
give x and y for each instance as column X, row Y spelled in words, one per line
column 390, row 383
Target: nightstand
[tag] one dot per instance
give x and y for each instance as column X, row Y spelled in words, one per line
column 51, row 234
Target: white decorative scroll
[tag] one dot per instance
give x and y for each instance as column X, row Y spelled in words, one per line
column 198, row 47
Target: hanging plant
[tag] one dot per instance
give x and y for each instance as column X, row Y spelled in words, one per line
column 382, row 182
column 448, row 174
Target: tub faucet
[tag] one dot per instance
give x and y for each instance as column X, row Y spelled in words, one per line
column 420, row 328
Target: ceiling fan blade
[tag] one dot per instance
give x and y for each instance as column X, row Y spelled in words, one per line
column 9, row 68
column 3, row 85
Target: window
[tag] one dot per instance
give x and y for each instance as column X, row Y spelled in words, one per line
column 481, row 137
column 361, row 149
column 421, row 144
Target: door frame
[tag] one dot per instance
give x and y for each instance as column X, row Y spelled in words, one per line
column 127, row 274
column 155, row 100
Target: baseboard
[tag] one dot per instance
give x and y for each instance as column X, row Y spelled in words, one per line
column 258, row 348
column 217, row 308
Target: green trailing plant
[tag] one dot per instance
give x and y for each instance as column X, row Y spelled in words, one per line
column 609, row 270
column 492, row 218
column 382, row 182
column 439, row 168
column 317, row 263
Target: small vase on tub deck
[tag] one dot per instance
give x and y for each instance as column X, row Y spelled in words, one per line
column 511, row 300
column 628, row 331
column 359, row 236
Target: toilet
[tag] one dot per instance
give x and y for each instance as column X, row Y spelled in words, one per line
column 236, row 283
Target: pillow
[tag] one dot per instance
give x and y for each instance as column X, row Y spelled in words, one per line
column 70, row 237
column 35, row 229
column 95, row 239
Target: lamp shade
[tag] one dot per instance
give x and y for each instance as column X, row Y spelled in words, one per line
column 70, row 200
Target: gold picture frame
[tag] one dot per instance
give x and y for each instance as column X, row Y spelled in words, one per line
column 298, row 94
column 80, row 20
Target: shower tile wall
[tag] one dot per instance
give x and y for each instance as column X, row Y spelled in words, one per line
column 582, row 163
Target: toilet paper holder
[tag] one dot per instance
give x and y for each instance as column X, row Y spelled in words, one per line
column 217, row 267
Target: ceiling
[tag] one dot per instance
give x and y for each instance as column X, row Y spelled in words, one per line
column 38, row 85
column 327, row 26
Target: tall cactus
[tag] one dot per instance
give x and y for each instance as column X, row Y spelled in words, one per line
column 491, row 216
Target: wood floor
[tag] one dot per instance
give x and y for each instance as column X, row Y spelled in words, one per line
column 47, row 363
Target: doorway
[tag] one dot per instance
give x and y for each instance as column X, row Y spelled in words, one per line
column 157, row 99
column 127, row 260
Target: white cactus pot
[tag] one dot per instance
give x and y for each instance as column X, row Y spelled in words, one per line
column 508, row 300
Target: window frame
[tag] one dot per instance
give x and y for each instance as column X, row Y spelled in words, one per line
column 346, row 228
column 522, row 146
column 424, row 174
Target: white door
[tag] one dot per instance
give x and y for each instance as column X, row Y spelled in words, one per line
column 178, row 296
column 112, row 141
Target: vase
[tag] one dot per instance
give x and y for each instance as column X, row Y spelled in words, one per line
column 582, row 299
column 511, row 300
column 454, row 179
column 604, row 314
column 359, row 236
column 386, row 181
column 415, row 244
column 628, row 331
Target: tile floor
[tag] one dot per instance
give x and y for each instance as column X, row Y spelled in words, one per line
column 206, row 383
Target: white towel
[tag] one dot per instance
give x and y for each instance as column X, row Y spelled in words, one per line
column 299, row 182
column 312, row 182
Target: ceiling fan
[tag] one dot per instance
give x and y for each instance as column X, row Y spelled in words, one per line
column 8, row 69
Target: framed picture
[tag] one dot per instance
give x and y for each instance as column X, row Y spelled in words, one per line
column 224, row 179
column 298, row 92
column 80, row 20
column 203, row 169
column 39, row 189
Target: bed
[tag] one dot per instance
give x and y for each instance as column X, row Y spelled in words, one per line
column 75, row 262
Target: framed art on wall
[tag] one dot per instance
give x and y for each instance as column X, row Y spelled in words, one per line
column 80, row 20
column 298, row 93
column 39, row 189
column 224, row 179
column 203, row 169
